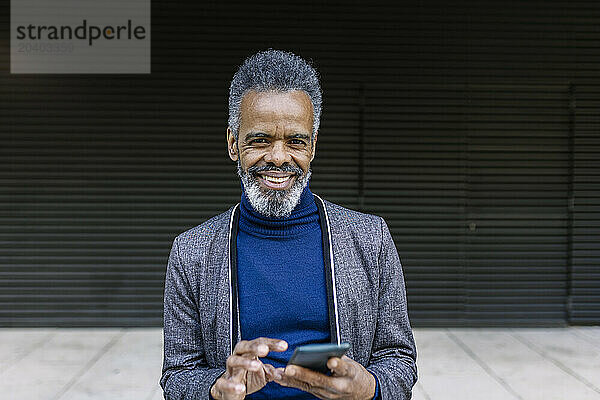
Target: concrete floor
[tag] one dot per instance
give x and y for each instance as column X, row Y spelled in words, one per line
column 529, row 364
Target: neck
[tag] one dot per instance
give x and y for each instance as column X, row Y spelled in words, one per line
column 302, row 218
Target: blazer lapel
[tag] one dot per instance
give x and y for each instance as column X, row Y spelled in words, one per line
column 223, row 342
column 342, row 258
column 225, row 293
column 343, row 297
column 331, row 280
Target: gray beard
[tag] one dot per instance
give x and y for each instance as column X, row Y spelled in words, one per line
column 273, row 203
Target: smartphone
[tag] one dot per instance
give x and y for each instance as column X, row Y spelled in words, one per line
column 315, row 356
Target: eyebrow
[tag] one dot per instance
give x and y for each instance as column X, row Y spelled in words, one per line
column 252, row 135
column 299, row 136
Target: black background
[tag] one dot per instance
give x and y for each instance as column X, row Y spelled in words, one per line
column 472, row 128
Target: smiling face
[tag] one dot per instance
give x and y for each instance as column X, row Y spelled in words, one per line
column 274, row 149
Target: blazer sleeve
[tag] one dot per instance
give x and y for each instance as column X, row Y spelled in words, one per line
column 394, row 355
column 185, row 373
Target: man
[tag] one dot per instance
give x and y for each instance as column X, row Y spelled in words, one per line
column 283, row 267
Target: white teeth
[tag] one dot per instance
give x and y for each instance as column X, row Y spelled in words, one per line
column 274, row 179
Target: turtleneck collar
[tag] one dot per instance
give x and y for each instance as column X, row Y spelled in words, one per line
column 304, row 217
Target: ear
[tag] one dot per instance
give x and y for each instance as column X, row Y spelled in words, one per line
column 231, row 145
column 314, row 146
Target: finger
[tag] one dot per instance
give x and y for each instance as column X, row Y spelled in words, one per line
column 313, row 378
column 272, row 373
column 281, row 378
column 260, row 346
column 320, row 392
column 227, row 386
column 280, row 372
column 340, row 367
column 238, row 367
column 317, row 380
column 246, row 363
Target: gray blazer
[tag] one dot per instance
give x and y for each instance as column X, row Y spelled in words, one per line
column 366, row 295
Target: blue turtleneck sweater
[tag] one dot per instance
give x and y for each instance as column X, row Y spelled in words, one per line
column 281, row 283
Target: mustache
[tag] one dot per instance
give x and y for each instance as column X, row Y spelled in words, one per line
column 284, row 168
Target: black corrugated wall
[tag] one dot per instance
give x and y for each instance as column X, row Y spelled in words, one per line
column 473, row 128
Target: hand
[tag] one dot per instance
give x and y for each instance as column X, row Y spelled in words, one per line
column 245, row 373
column 350, row 380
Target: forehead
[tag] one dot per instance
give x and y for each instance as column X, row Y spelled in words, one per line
column 273, row 107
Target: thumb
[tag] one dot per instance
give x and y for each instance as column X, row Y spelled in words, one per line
column 340, row 367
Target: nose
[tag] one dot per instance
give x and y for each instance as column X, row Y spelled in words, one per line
column 277, row 154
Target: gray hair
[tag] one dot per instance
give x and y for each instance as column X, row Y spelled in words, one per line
column 274, row 70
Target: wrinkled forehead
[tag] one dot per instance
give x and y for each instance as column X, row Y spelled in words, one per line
column 276, row 107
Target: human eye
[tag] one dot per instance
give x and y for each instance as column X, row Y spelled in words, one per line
column 298, row 142
column 258, row 141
